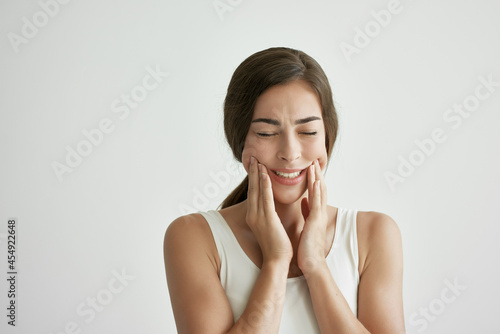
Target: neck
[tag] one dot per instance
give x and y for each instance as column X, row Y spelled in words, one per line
column 291, row 215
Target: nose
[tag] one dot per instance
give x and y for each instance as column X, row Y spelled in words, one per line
column 289, row 149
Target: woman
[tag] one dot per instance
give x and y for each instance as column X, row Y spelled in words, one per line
column 276, row 258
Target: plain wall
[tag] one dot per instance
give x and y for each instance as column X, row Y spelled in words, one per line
column 398, row 82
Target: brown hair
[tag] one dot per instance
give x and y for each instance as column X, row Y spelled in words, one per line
column 260, row 71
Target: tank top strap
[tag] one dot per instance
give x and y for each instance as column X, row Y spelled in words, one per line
column 218, row 227
column 346, row 236
column 235, row 266
column 343, row 258
column 221, row 232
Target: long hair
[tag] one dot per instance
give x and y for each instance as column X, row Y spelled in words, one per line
column 260, row 71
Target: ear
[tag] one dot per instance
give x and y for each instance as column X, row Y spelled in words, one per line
column 304, row 204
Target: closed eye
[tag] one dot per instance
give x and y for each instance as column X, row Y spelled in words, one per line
column 262, row 134
column 312, row 133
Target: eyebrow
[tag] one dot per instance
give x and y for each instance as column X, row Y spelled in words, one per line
column 277, row 123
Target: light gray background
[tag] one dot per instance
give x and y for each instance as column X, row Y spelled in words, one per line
column 168, row 156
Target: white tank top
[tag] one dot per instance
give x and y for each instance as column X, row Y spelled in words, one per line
column 238, row 273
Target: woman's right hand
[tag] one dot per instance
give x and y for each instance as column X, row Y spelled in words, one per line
column 262, row 217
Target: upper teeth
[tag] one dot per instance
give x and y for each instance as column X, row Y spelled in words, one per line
column 288, row 175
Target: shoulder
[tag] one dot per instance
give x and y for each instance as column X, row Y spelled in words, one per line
column 377, row 224
column 378, row 234
column 380, row 291
column 188, row 236
column 196, row 294
column 188, row 224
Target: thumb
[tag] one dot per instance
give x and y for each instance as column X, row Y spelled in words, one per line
column 304, row 204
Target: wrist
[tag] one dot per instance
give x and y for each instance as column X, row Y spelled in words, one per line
column 279, row 265
column 314, row 268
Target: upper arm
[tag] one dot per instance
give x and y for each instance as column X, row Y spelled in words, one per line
column 380, row 296
column 198, row 300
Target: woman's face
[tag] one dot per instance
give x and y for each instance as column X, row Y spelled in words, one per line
column 286, row 135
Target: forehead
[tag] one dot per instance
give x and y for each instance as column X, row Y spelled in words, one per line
column 296, row 99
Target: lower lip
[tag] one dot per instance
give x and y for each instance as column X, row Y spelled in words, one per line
column 288, row 182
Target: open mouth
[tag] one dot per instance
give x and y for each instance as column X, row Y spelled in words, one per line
column 288, row 175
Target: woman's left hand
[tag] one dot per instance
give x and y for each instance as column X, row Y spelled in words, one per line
column 311, row 250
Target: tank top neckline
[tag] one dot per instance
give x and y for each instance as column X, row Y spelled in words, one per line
column 254, row 266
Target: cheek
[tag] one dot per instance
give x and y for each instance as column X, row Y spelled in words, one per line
column 250, row 149
column 319, row 152
column 245, row 159
column 261, row 153
column 323, row 160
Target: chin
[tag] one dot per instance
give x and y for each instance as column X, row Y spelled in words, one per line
column 288, row 194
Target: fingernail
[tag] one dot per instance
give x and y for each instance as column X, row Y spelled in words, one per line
column 312, row 169
column 260, row 167
column 252, row 160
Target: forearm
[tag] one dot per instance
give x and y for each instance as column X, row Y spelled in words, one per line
column 263, row 311
column 330, row 307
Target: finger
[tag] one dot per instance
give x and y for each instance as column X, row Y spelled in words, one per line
column 316, row 204
column 266, row 192
column 311, row 177
column 260, row 206
column 253, row 186
column 321, row 177
column 318, row 174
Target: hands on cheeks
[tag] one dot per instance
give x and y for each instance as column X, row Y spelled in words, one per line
column 266, row 224
column 262, row 217
column 311, row 250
